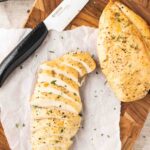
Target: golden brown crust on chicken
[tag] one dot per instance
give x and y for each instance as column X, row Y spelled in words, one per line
column 124, row 51
column 56, row 102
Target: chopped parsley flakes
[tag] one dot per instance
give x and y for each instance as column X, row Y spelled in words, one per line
column 53, row 82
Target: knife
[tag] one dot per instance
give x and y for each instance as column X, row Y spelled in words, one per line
column 57, row 20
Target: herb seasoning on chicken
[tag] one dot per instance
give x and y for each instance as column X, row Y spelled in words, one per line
column 56, row 103
column 124, row 51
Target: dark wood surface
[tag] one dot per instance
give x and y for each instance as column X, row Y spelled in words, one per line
column 133, row 114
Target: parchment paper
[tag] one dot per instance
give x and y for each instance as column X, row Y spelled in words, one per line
column 101, row 113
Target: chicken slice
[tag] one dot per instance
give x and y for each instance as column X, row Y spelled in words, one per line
column 49, row 99
column 84, row 59
column 58, row 141
column 57, row 89
column 47, row 76
column 54, row 112
column 46, row 123
column 64, row 70
column 55, row 131
column 56, row 102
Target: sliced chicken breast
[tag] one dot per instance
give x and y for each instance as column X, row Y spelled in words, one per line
column 56, row 104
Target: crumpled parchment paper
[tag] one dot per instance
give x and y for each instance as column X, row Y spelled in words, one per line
column 101, row 110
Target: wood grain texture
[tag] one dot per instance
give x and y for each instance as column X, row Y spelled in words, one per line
column 3, row 141
column 89, row 16
column 133, row 114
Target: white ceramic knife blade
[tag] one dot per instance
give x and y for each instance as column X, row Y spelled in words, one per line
column 57, row 20
column 64, row 14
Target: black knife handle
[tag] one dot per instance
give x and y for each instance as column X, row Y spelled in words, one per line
column 22, row 51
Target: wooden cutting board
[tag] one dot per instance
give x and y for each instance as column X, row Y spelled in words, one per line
column 133, row 114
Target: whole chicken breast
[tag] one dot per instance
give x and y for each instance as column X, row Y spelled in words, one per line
column 124, row 51
column 56, row 104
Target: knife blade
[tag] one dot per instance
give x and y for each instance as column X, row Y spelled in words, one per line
column 57, row 20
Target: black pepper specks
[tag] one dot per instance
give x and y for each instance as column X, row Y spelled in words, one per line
column 105, row 82
column 51, row 51
column 117, row 14
column 23, row 125
column 28, row 11
column 144, row 136
column 17, row 125
column 58, row 96
column 74, row 94
column 21, row 67
column 80, row 115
